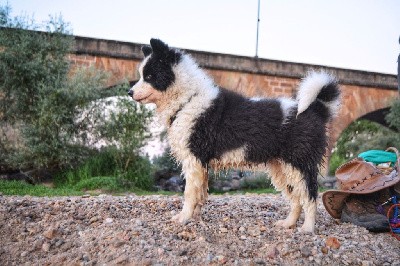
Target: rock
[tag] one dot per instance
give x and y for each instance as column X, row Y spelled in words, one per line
column 226, row 188
column 24, row 253
column 183, row 252
column 123, row 259
column 46, row 247
column 223, row 230
column 118, row 243
column 138, row 222
column 272, row 251
column 333, row 242
column 50, row 233
column 305, row 251
column 221, row 259
column 209, row 257
column 367, row 263
column 324, row 250
column 93, row 219
column 254, row 231
column 186, row 235
column 260, row 262
column 108, row 220
column 58, row 243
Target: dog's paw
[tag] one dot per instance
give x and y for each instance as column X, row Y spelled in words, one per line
column 285, row 224
column 307, row 229
column 181, row 218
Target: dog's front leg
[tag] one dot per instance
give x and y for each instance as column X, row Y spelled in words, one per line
column 195, row 191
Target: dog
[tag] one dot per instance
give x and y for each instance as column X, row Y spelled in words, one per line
column 211, row 127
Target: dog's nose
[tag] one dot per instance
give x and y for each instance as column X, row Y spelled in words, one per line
column 130, row 92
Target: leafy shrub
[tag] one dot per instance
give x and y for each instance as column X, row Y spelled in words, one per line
column 165, row 167
column 39, row 100
column 393, row 117
column 55, row 117
column 360, row 136
column 259, row 180
column 105, row 183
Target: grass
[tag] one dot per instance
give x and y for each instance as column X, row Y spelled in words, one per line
column 92, row 186
column 22, row 188
column 100, row 185
column 244, row 191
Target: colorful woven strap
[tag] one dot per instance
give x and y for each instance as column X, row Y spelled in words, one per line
column 393, row 215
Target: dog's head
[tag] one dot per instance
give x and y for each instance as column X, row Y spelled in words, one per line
column 156, row 72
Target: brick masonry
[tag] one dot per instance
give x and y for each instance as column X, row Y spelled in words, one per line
column 363, row 92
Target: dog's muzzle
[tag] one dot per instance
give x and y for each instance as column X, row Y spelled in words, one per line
column 130, row 92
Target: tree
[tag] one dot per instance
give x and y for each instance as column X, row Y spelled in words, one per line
column 51, row 117
column 393, row 118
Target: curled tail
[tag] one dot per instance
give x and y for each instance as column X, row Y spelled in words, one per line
column 319, row 86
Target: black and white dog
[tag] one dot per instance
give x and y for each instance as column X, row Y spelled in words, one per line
column 212, row 127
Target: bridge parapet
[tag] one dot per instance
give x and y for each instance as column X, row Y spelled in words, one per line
column 243, row 64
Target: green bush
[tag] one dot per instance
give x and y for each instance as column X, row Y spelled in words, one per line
column 105, row 163
column 257, row 181
column 39, row 101
column 363, row 135
column 54, row 117
column 104, row 183
column 393, row 117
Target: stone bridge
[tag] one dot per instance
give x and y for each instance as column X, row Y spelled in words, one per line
column 365, row 94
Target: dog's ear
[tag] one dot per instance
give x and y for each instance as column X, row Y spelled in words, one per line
column 146, row 50
column 159, row 46
column 164, row 53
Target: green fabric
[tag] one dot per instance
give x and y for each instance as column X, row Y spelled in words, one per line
column 378, row 156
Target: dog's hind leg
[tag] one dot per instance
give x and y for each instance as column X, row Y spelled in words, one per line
column 294, row 214
column 300, row 189
column 309, row 200
column 282, row 176
column 310, row 213
column 195, row 190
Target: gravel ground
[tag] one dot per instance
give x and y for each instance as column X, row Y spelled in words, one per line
column 136, row 230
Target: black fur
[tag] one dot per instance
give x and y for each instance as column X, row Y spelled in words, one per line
column 158, row 69
column 146, row 50
column 232, row 118
column 329, row 92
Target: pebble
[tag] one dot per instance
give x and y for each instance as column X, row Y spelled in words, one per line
column 46, row 247
column 50, row 233
column 223, row 230
column 305, row 251
column 108, row 220
column 254, row 231
column 333, row 242
column 272, row 251
column 137, row 230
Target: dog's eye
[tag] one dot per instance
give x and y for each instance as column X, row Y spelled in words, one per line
column 148, row 77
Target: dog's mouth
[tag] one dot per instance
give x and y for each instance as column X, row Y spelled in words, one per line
column 141, row 100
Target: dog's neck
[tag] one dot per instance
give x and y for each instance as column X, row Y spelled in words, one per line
column 191, row 84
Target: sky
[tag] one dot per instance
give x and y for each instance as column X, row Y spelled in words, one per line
column 352, row 34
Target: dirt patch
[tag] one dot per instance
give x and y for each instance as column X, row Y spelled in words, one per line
column 136, row 230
